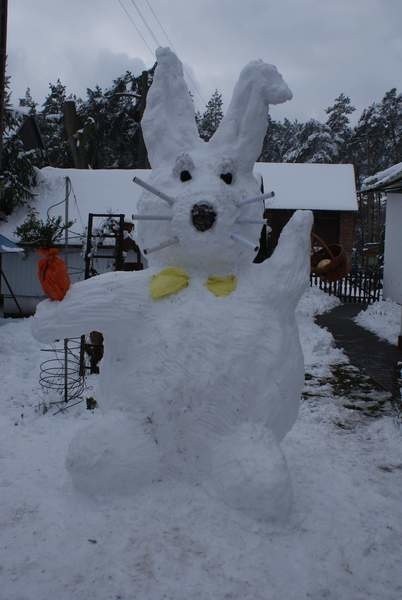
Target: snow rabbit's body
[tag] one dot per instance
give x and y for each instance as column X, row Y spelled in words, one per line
column 203, row 368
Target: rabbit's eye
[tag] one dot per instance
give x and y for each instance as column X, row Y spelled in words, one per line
column 185, row 176
column 227, row 178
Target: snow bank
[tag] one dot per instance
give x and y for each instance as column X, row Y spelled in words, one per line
column 382, row 318
column 318, row 345
column 19, row 368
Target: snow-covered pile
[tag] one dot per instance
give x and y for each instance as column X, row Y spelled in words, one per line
column 382, row 318
column 383, row 178
column 318, row 348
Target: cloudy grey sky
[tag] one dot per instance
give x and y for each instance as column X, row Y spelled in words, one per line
column 321, row 47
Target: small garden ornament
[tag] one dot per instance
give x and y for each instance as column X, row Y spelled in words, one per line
column 203, row 369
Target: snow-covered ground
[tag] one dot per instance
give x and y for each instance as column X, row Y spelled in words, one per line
column 342, row 541
column 382, row 318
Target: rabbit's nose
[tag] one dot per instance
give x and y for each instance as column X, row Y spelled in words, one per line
column 203, row 216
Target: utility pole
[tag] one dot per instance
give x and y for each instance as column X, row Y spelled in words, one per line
column 3, row 54
column 143, row 88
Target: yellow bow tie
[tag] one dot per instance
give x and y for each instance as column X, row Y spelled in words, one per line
column 173, row 279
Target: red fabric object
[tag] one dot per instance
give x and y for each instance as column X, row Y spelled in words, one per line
column 53, row 274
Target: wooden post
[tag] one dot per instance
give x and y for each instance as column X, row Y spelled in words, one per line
column 3, row 55
column 66, row 207
column 72, row 125
column 400, row 334
column 143, row 85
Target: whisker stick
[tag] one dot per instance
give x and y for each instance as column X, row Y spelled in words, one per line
column 165, row 244
column 151, row 217
column 153, row 190
column 250, row 222
column 244, row 241
column 256, row 199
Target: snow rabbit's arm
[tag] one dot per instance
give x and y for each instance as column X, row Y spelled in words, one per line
column 289, row 266
column 94, row 304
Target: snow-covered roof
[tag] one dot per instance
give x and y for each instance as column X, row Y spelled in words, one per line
column 390, row 179
column 7, row 245
column 308, row 185
column 96, row 191
column 312, row 186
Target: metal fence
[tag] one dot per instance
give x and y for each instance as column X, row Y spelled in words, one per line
column 359, row 286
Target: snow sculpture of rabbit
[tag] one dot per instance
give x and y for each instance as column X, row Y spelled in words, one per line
column 203, row 368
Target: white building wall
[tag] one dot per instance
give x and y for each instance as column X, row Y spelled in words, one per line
column 21, row 272
column 393, row 248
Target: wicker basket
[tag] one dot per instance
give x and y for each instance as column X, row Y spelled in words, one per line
column 330, row 263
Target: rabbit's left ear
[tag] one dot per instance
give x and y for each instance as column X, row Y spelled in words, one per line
column 168, row 124
column 242, row 130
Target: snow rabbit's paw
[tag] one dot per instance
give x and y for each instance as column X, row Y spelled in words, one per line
column 113, row 455
column 250, row 473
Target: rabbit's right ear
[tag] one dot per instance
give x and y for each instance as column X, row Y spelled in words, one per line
column 242, row 130
column 168, row 124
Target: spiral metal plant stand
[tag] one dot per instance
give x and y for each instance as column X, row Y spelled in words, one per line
column 64, row 372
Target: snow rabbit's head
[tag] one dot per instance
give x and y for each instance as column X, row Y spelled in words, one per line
column 205, row 184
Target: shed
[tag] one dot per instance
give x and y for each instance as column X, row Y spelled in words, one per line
column 7, row 246
column 390, row 182
column 328, row 190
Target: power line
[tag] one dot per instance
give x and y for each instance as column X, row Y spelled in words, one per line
column 160, row 25
column 187, row 72
column 135, row 26
column 150, row 30
column 145, row 23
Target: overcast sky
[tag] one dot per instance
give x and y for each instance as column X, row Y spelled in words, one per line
column 321, row 47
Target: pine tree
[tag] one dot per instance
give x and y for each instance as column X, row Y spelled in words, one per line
column 391, row 114
column 123, row 123
column 313, row 142
column 111, row 119
column 18, row 172
column 95, row 132
column 212, row 116
column 367, row 142
column 10, row 116
column 51, row 123
column 272, row 145
column 339, row 123
column 338, row 114
column 28, row 102
column 279, row 140
column 53, row 104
